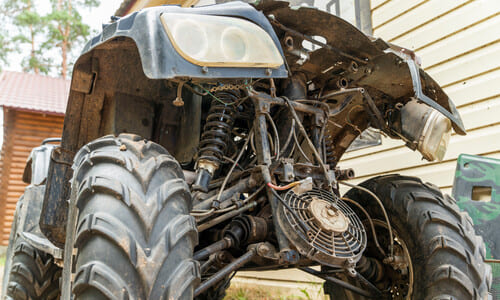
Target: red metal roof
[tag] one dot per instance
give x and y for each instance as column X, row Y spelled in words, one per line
column 33, row 92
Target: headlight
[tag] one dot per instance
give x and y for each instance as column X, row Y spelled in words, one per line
column 426, row 128
column 216, row 41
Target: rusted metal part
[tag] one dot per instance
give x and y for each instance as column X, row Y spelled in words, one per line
column 302, row 171
column 295, row 87
column 222, row 244
column 241, row 231
column 344, row 174
column 380, row 67
column 311, row 145
column 233, row 266
column 264, row 160
column 226, row 216
column 316, row 42
column 244, row 185
column 348, row 118
column 262, row 107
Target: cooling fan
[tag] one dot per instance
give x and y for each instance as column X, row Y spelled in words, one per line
column 334, row 234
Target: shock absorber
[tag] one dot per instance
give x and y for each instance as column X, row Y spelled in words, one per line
column 329, row 149
column 215, row 138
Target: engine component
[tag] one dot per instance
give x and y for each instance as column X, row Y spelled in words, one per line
column 247, row 230
column 241, row 231
column 336, row 236
column 426, row 129
column 215, row 138
column 344, row 174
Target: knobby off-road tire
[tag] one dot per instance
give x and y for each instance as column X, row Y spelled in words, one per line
column 31, row 273
column 447, row 256
column 134, row 237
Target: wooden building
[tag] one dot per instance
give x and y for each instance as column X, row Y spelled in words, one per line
column 33, row 110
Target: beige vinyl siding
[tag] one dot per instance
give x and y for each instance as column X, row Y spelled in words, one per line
column 459, row 43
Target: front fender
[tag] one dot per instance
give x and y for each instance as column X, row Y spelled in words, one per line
column 159, row 58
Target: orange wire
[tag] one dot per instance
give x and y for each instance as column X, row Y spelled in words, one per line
column 283, row 188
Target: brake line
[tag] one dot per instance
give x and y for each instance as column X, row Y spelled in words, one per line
column 372, row 226
column 389, row 228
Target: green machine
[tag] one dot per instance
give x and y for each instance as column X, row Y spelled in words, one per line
column 477, row 191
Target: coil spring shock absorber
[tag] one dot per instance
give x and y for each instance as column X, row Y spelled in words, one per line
column 215, row 138
column 329, row 149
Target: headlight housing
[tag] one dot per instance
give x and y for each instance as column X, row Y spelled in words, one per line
column 217, row 41
column 426, row 129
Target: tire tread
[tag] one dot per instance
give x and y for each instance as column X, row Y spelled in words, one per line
column 142, row 182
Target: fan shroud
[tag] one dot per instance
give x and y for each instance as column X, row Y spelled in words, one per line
column 336, row 235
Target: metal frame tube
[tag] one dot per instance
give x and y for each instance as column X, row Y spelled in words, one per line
column 215, row 247
column 339, row 282
column 235, row 265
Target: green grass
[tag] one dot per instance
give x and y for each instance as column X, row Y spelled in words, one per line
column 262, row 293
column 2, row 260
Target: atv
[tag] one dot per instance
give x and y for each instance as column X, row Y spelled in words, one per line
column 203, row 141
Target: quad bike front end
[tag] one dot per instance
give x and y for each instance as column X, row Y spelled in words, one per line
column 202, row 141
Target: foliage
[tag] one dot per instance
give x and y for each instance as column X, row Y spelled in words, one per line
column 37, row 30
column 66, row 28
column 31, row 27
column 4, row 48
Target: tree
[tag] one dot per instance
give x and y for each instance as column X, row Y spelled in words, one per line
column 31, row 25
column 4, row 49
column 66, row 28
column 41, row 28
column 20, row 18
column 7, row 9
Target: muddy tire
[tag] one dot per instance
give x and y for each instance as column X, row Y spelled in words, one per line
column 29, row 273
column 447, row 256
column 133, row 236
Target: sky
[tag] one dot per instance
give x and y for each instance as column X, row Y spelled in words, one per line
column 101, row 14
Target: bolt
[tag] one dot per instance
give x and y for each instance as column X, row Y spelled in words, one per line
column 204, row 69
column 263, row 249
column 269, row 72
column 178, row 102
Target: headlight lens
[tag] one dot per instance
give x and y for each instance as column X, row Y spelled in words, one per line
column 216, row 41
column 427, row 128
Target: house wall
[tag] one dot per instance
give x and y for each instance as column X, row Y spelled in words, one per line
column 459, row 43
column 22, row 132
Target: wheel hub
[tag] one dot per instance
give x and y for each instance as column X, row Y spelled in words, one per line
column 327, row 216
